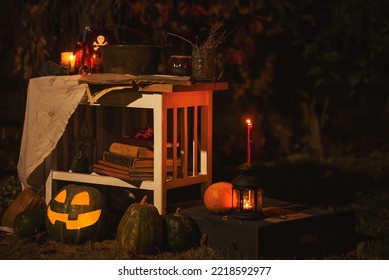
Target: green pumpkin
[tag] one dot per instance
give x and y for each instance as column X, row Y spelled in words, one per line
column 140, row 229
column 182, row 232
column 29, row 222
column 77, row 214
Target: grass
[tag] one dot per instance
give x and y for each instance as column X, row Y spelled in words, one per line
column 337, row 183
column 372, row 225
column 42, row 247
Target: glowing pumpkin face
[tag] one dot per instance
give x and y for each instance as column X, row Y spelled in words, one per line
column 76, row 214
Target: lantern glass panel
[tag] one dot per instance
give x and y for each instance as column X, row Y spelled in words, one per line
column 247, row 203
column 248, row 200
column 259, row 199
column 237, row 200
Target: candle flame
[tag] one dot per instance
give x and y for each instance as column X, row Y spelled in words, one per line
column 247, row 205
column 248, row 121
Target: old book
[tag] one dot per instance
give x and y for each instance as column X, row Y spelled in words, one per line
column 134, row 169
column 140, row 142
column 134, row 161
column 128, row 177
column 140, row 176
column 128, row 173
column 113, row 165
column 110, row 168
column 126, row 170
column 130, row 150
column 117, row 159
column 145, row 162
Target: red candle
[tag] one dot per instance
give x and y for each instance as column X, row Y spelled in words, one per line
column 249, row 140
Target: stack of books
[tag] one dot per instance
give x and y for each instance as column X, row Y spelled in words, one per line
column 130, row 162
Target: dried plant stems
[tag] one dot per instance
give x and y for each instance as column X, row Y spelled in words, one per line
column 215, row 38
column 178, row 36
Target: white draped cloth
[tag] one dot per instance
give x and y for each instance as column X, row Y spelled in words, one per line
column 51, row 101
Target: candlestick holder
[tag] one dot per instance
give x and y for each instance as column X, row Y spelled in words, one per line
column 247, row 194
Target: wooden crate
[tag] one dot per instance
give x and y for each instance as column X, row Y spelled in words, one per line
column 287, row 231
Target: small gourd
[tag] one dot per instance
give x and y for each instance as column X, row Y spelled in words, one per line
column 29, row 222
column 182, row 232
column 140, row 229
column 27, row 199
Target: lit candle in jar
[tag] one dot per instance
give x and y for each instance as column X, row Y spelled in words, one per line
column 247, row 204
column 72, row 60
column 249, row 140
column 65, row 59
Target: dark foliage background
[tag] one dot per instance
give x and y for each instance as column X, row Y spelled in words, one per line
column 311, row 74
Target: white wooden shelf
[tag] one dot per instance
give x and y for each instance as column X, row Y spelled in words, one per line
column 112, row 181
column 182, row 115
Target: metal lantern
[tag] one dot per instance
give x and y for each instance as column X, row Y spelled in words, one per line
column 247, row 194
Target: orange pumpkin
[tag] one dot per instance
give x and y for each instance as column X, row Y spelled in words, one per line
column 218, row 198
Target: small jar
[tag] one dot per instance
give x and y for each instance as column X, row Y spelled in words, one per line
column 179, row 65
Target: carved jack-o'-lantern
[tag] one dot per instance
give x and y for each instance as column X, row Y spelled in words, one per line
column 76, row 214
